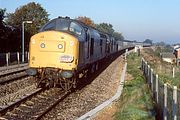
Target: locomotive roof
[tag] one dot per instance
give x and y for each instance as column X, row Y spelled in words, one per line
column 82, row 24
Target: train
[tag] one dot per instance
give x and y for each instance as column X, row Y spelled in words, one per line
column 64, row 48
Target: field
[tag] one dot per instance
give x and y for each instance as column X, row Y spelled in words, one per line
column 163, row 69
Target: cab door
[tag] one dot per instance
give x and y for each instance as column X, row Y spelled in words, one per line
column 88, row 40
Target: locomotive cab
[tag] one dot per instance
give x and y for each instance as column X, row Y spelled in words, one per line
column 54, row 51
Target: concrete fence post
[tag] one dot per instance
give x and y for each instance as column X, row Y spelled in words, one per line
column 7, row 59
column 146, row 69
column 165, row 103
column 148, row 75
column 174, row 103
column 18, row 57
column 152, row 79
column 144, row 66
column 173, row 72
column 141, row 63
column 157, row 92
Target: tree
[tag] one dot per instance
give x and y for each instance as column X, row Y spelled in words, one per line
column 2, row 15
column 118, row 36
column 148, row 41
column 161, row 43
column 30, row 12
column 105, row 27
column 86, row 20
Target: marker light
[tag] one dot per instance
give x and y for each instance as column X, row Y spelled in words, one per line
column 42, row 45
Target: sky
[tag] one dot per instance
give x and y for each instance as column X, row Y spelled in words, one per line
column 158, row 20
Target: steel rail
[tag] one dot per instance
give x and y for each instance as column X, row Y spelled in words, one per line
column 4, row 110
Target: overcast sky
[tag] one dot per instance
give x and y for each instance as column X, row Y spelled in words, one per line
column 158, row 20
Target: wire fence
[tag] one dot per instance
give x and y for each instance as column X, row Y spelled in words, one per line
column 165, row 95
column 13, row 58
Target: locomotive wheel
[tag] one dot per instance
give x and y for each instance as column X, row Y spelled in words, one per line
column 45, row 79
column 39, row 83
column 39, row 80
column 67, row 84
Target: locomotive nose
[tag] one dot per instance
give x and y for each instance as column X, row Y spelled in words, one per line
column 53, row 49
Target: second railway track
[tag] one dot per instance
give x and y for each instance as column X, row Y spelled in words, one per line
column 35, row 105
column 12, row 77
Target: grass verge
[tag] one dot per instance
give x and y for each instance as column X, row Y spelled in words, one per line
column 135, row 102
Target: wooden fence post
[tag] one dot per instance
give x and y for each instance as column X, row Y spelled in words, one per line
column 174, row 103
column 165, row 103
column 157, row 92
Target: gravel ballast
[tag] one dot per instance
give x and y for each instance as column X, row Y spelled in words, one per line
column 101, row 88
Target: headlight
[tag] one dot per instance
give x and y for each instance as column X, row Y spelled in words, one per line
column 66, row 74
column 42, row 45
column 66, row 58
column 60, row 46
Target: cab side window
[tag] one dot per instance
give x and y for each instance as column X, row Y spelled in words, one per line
column 75, row 28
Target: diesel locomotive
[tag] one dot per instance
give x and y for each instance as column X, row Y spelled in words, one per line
column 65, row 48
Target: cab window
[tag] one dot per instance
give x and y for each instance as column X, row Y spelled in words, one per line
column 62, row 24
column 49, row 26
column 75, row 28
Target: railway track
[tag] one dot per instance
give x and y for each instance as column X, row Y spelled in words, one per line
column 13, row 77
column 35, row 105
column 13, row 73
column 6, row 68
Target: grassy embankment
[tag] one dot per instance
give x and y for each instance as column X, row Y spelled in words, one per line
column 135, row 102
column 163, row 69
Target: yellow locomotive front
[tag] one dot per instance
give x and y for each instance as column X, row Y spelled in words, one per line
column 54, row 50
column 54, row 54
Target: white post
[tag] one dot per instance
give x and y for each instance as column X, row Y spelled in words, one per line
column 23, row 38
column 148, row 74
column 23, row 42
column 157, row 89
column 127, row 51
column 165, row 102
column 18, row 57
column 126, row 54
column 7, row 59
column 152, row 80
column 173, row 72
column 175, row 103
